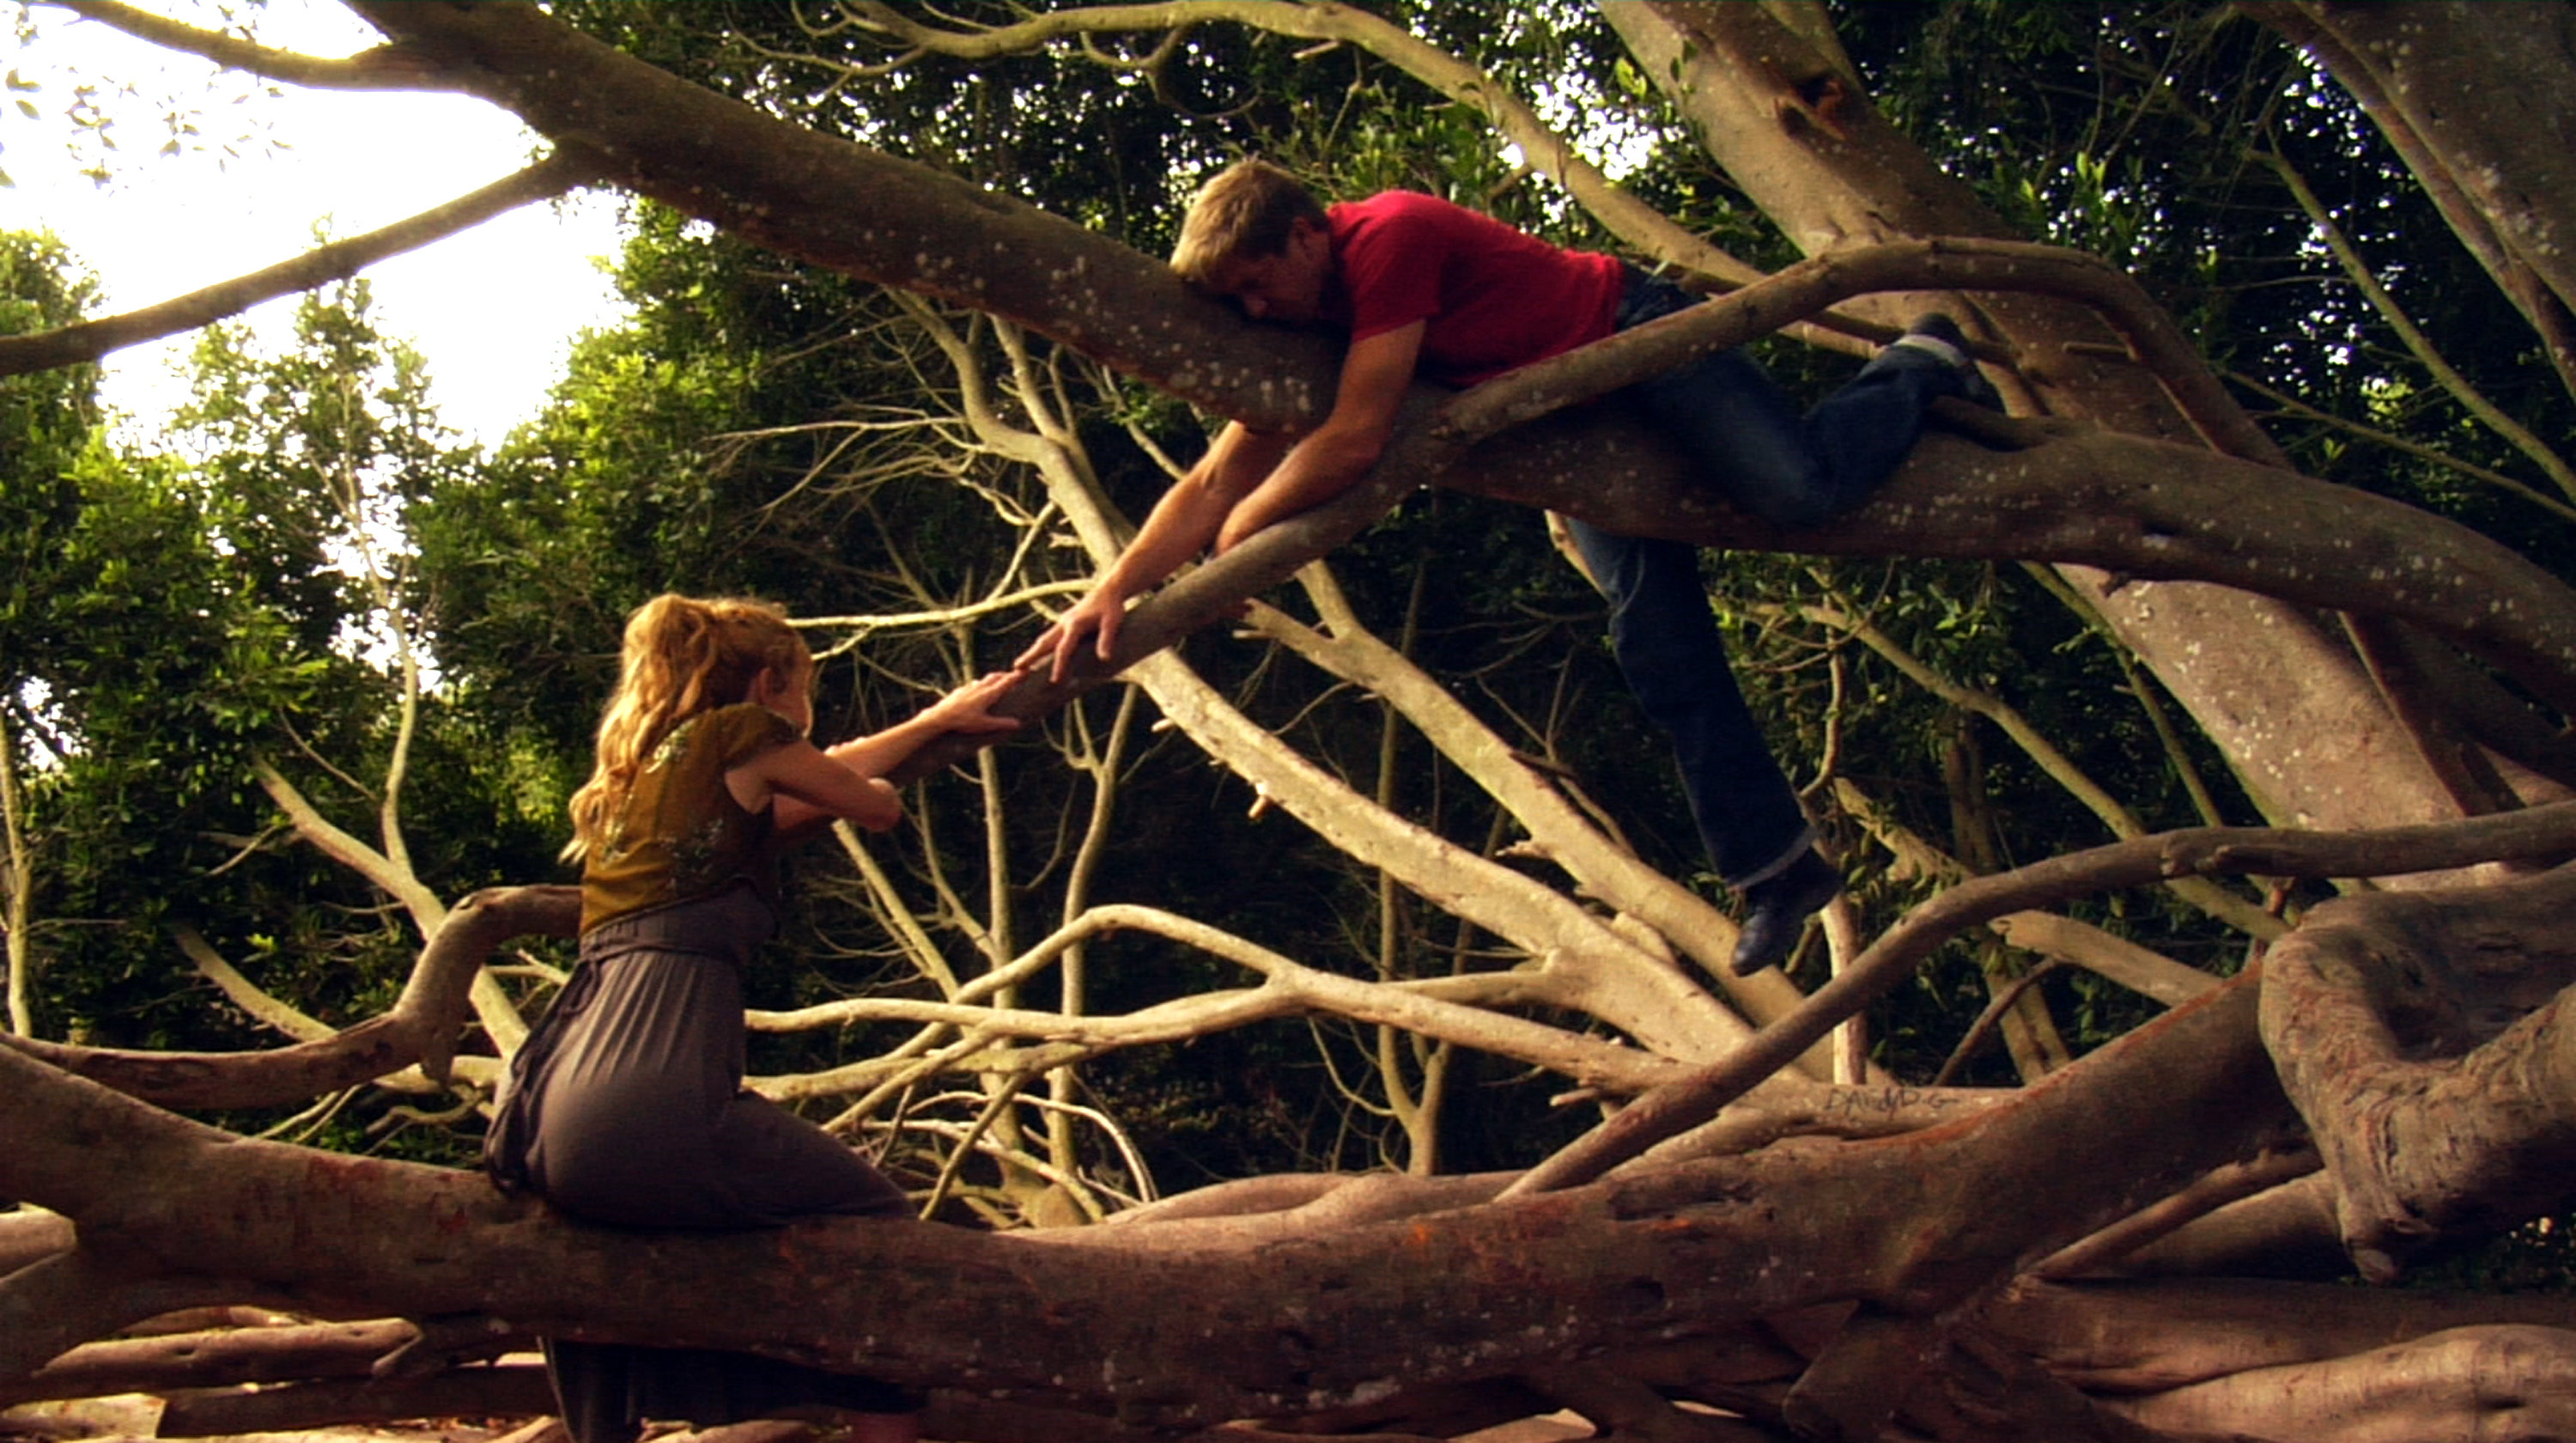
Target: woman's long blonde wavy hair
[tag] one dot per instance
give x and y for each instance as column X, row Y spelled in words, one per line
column 683, row 655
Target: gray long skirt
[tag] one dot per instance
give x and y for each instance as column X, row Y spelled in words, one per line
column 625, row 1107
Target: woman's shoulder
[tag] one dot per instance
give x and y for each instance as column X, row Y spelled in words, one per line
column 724, row 737
column 744, row 730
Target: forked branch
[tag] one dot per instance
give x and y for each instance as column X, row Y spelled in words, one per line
column 2209, row 851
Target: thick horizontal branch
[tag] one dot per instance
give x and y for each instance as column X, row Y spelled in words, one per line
column 229, row 1358
column 2141, row 1337
column 1907, row 1220
column 505, row 1390
column 2128, row 506
column 339, row 260
column 2138, row 508
column 862, row 212
column 49, row 1307
column 383, row 68
column 1632, row 219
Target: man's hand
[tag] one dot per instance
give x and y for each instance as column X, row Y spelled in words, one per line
column 1101, row 613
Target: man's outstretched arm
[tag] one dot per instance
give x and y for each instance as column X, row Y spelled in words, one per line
column 1181, row 526
column 1246, row 481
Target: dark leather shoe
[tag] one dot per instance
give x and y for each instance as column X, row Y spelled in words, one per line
column 1973, row 382
column 1781, row 907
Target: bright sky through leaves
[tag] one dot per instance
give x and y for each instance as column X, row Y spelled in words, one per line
column 492, row 308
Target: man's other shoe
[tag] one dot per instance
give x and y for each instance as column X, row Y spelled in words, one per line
column 1780, row 909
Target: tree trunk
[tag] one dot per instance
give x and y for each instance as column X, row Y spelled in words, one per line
column 2474, row 98
column 2270, row 682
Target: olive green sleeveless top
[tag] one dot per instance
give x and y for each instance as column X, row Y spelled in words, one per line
column 681, row 835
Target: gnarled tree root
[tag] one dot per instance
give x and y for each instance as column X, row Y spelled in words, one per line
column 2425, row 1039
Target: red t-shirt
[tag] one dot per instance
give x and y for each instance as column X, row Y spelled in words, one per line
column 1495, row 298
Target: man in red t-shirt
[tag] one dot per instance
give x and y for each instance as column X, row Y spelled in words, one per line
column 1432, row 291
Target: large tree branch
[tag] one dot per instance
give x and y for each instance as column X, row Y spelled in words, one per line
column 869, row 215
column 383, row 68
column 2135, row 507
column 1905, row 1221
column 339, row 260
column 860, row 211
column 2427, row 1041
column 420, row 1028
column 2209, row 851
column 1512, row 118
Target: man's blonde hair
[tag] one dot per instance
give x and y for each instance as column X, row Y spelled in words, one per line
column 1245, row 213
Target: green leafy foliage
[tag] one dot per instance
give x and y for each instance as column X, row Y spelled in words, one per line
column 173, row 620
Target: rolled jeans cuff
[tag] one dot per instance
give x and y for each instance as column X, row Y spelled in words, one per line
column 1805, row 840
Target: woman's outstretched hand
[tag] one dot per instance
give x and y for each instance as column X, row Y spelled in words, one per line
column 970, row 707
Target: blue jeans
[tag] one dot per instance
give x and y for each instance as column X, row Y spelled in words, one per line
column 1731, row 418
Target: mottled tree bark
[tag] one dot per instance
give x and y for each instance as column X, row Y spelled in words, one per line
column 2427, row 1041
column 2474, row 98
